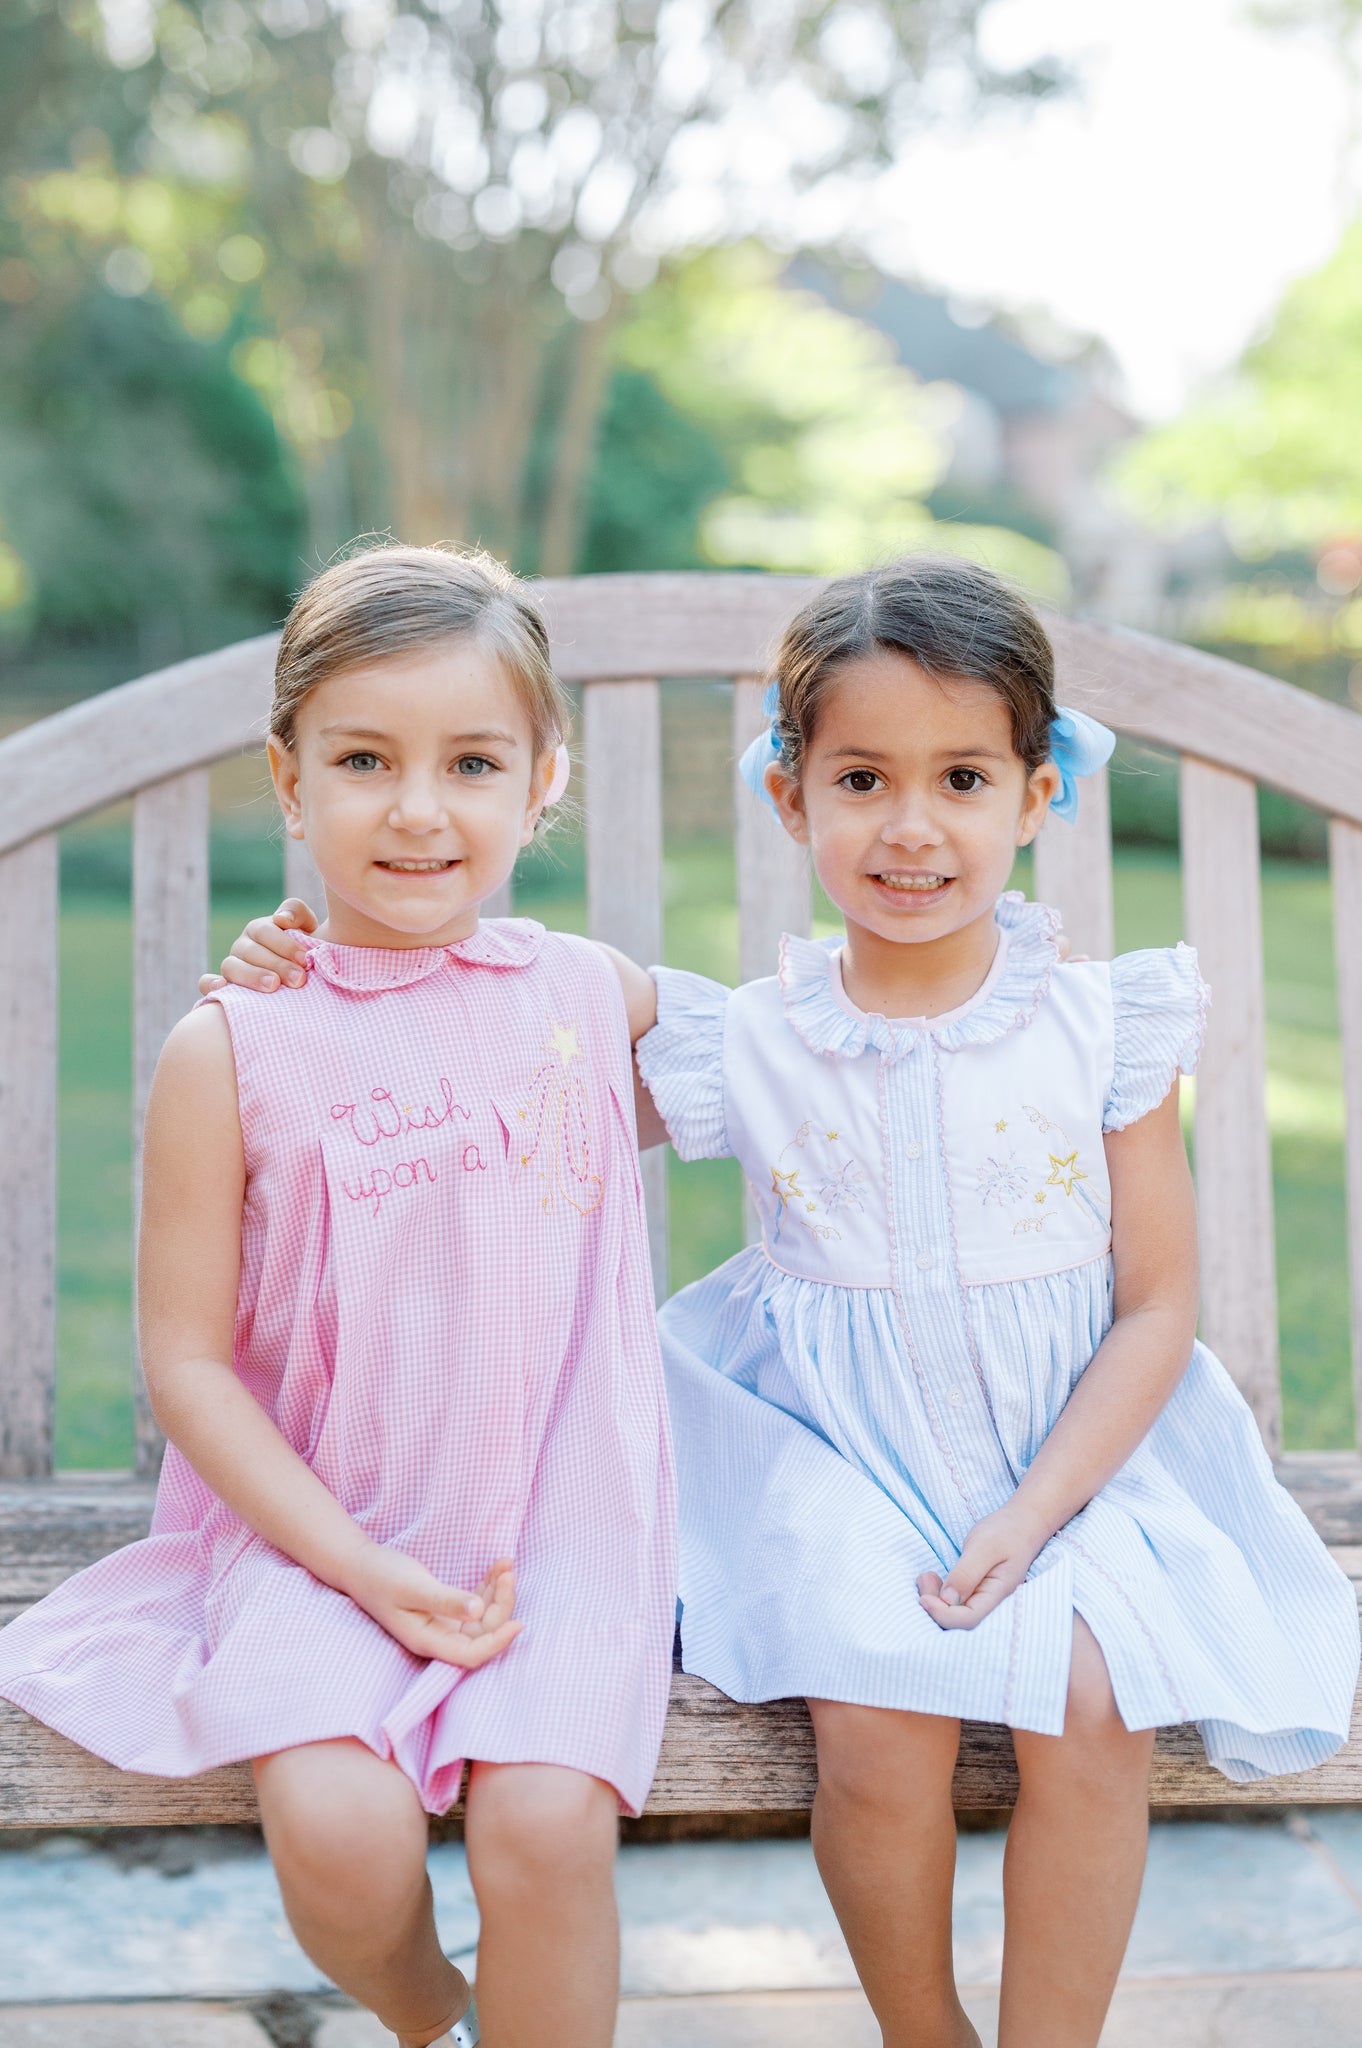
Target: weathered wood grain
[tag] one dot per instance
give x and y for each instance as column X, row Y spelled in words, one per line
column 169, row 953
column 1345, row 867
column 717, row 1756
column 1073, row 870
column 623, row 803
column 1222, row 904
column 28, row 1155
column 610, row 628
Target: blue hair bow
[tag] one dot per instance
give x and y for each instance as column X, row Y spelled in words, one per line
column 1079, row 746
column 765, row 749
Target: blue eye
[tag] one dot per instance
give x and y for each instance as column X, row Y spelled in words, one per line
column 363, row 764
column 475, row 766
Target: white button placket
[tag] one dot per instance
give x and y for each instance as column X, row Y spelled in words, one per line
column 927, row 1279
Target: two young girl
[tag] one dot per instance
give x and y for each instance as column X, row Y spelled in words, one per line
column 947, row 1445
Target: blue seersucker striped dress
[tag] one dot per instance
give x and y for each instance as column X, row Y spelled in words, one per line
column 853, row 1394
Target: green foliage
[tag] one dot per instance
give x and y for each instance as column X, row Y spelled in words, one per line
column 655, row 471
column 143, row 486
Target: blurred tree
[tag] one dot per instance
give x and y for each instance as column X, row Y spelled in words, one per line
column 440, row 205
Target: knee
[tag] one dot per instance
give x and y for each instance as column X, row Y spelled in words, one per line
column 533, row 1827
column 331, row 1813
column 1093, row 1725
column 876, row 1758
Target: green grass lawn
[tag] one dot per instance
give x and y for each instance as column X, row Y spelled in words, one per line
column 94, row 1408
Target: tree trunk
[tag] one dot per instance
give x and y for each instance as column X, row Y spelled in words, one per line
column 588, row 379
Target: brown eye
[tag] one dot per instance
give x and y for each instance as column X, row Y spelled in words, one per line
column 964, row 781
column 861, row 780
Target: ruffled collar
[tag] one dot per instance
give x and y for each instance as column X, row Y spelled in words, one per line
column 372, row 970
column 1016, row 984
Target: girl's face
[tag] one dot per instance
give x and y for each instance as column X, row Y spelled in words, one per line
column 415, row 783
column 912, row 800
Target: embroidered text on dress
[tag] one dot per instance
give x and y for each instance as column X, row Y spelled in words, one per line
column 390, row 1119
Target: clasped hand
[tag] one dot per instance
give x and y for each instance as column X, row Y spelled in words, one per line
column 429, row 1618
column 997, row 1555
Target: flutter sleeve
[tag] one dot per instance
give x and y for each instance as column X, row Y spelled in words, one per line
column 1159, row 1005
column 682, row 1062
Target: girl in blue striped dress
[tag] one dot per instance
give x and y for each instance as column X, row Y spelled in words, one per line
column 948, row 1447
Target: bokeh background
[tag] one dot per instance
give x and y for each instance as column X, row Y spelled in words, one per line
column 645, row 284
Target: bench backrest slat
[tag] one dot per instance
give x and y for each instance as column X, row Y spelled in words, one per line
column 1222, row 912
column 1345, row 862
column 28, row 1156
column 169, row 953
column 1073, row 870
column 774, row 894
column 622, row 727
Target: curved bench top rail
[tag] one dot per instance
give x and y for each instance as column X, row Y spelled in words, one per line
column 615, row 628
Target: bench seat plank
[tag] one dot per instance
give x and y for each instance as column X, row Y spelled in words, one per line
column 717, row 1756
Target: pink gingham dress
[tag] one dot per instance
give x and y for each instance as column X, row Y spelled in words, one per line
column 445, row 1305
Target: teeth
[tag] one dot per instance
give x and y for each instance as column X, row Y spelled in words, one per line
column 922, row 884
column 416, row 867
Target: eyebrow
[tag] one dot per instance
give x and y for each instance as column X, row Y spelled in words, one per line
column 458, row 739
column 947, row 754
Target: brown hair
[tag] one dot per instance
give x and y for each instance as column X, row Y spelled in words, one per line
column 390, row 600
column 952, row 618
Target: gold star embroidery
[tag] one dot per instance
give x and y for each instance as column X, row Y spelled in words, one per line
column 1041, row 1196
column 832, row 1135
column 811, row 1206
column 1001, row 1124
column 786, row 1185
column 1064, row 1172
column 565, row 1042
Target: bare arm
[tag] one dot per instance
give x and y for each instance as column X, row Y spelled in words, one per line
column 1132, row 1375
column 194, row 1182
column 640, row 1002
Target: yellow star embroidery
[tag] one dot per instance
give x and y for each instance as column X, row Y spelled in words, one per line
column 786, row 1185
column 565, row 1042
column 1001, row 1124
column 832, row 1134
column 1064, row 1172
column 1041, row 1196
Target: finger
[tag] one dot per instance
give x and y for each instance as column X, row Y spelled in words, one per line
column 453, row 1602
column 950, row 1617
column 295, row 913
column 267, row 963
column 263, row 942
column 208, row 982
column 448, row 1646
column 929, row 1582
column 965, row 1577
column 242, row 974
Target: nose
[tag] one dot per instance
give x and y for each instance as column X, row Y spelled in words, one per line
column 913, row 824
column 418, row 806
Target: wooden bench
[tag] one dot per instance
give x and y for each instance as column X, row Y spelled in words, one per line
column 154, row 740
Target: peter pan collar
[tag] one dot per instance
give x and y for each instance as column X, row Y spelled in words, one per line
column 1016, row 984
column 372, row 970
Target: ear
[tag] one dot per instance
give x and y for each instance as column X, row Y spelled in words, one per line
column 284, row 775
column 788, row 798
column 1042, row 787
column 541, row 777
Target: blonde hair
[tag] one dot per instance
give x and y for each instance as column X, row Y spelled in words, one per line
column 387, row 601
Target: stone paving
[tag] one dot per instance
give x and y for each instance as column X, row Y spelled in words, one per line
column 1248, row 1936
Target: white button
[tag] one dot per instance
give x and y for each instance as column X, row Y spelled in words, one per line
column 955, row 1397
column 912, row 1150
column 925, row 1262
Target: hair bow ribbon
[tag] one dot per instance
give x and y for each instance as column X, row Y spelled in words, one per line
column 1079, row 746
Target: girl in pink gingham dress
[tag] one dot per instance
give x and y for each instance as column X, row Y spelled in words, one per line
column 397, row 1323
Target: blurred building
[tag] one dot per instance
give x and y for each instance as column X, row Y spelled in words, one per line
column 1039, row 423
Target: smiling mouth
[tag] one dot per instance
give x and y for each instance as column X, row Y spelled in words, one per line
column 912, row 885
column 416, row 867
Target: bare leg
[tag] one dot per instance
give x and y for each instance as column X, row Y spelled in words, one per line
column 1075, row 1857
column 884, row 1838
column 541, row 1850
column 348, row 1837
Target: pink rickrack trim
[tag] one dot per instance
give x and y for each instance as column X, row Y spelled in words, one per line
column 1063, row 1536
column 971, row 1345
column 928, row 1403
column 1013, row 1653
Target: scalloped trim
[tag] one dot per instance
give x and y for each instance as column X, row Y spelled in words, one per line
column 1009, row 999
